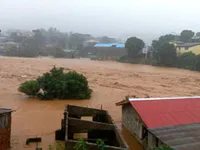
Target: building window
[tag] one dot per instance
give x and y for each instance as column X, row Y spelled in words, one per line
column 186, row 48
column 3, row 121
column 144, row 132
column 157, row 144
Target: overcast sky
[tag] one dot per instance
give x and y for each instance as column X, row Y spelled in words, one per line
column 118, row 18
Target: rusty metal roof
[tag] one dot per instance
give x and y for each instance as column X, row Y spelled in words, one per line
column 5, row 110
column 161, row 112
column 180, row 137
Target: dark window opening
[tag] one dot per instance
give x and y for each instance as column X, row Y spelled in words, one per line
column 157, row 142
column 3, row 121
column 144, row 132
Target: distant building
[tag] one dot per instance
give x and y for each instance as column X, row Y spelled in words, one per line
column 182, row 47
column 5, row 128
column 109, row 45
column 188, row 47
column 108, row 51
column 174, row 121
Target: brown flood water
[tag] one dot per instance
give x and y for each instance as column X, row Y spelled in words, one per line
column 110, row 81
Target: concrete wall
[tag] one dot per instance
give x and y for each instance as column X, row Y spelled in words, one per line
column 133, row 123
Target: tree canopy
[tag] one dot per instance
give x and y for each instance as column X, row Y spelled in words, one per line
column 134, row 46
column 166, row 55
column 57, row 84
column 163, row 39
column 186, row 35
column 106, row 39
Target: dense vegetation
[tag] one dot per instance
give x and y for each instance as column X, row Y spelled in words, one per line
column 49, row 42
column 82, row 145
column 166, row 55
column 57, row 84
column 163, row 52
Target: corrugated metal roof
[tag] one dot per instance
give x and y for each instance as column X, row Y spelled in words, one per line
column 181, row 137
column 167, row 111
column 110, row 45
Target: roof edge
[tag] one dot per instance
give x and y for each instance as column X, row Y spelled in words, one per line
column 123, row 102
column 162, row 98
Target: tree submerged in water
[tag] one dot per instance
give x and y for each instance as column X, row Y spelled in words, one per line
column 57, row 84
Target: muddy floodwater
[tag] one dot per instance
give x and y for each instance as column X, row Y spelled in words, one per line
column 110, row 81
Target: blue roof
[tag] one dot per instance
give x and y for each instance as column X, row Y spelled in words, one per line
column 109, row 45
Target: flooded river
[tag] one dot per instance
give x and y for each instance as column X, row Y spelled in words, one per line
column 110, row 81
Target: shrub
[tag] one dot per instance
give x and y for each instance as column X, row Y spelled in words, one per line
column 30, row 88
column 81, row 145
column 100, row 144
column 57, row 84
column 187, row 61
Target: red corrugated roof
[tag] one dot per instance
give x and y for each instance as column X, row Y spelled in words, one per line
column 167, row 111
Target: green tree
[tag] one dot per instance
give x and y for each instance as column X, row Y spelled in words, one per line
column 187, row 61
column 156, row 44
column 198, row 34
column 197, row 63
column 134, row 46
column 166, row 55
column 11, row 50
column 57, row 84
column 31, row 87
column 39, row 38
column 29, row 48
column 75, row 40
column 186, row 35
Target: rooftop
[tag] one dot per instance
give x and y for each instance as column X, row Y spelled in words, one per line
column 181, row 137
column 118, row 45
column 188, row 44
column 163, row 112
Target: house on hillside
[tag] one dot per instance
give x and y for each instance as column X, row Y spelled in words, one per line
column 174, row 121
column 188, row 47
column 5, row 128
column 182, row 47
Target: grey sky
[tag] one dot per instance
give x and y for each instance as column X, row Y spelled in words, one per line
column 119, row 18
